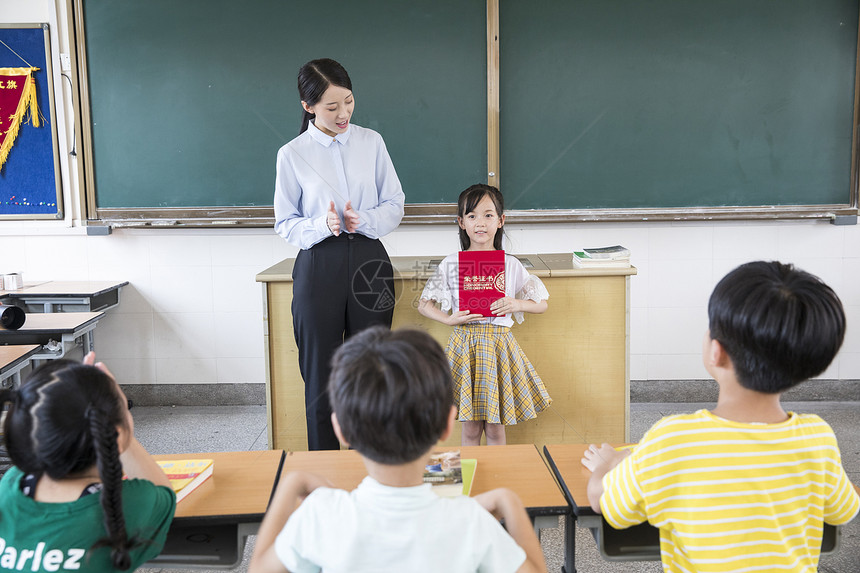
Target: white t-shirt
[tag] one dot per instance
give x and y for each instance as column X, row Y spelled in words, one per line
column 380, row 528
column 442, row 287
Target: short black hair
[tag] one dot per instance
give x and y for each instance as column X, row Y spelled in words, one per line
column 392, row 393
column 779, row 325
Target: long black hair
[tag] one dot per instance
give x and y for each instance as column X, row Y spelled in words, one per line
column 467, row 202
column 63, row 421
column 315, row 77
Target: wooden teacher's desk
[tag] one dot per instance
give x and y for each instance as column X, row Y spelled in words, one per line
column 637, row 543
column 519, row 468
column 213, row 521
column 579, row 347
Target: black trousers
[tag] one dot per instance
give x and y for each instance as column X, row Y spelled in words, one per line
column 341, row 286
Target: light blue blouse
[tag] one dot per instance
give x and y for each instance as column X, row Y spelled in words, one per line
column 315, row 169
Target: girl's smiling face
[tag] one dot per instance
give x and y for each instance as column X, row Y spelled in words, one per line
column 333, row 110
column 481, row 224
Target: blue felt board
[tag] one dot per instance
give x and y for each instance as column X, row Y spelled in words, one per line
column 28, row 182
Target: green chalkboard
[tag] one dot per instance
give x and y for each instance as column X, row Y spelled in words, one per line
column 676, row 103
column 190, row 100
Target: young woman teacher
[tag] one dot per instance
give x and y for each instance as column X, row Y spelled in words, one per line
column 336, row 193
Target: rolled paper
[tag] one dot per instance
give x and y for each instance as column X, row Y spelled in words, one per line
column 12, row 317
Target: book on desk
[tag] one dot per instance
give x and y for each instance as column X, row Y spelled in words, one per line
column 186, row 475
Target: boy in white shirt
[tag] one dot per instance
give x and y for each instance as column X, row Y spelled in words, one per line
column 391, row 393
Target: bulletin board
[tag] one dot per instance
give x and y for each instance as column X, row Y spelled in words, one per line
column 30, row 184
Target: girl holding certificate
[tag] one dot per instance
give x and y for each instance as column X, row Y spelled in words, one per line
column 494, row 383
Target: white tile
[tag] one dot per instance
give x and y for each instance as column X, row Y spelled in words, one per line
column 639, row 331
column 831, row 372
column 235, row 289
column 426, row 240
column 123, row 335
column 180, row 249
column 638, row 367
column 185, row 335
column 119, row 250
column 830, row 270
column 13, row 258
column 849, row 365
column 248, row 250
column 675, row 331
column 849, row 292
column 679, row 283
column 677, row 367
column 810, row 240
column 186, row 370
column 56, row 258
column 182, row 289
column 681, row 242
column 238, row 335
column 741, row 243
column 241, row 370
column 132, row 370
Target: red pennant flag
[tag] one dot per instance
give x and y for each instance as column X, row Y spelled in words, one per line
column 17, row 97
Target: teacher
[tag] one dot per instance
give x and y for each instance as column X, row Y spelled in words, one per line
column 336, row 194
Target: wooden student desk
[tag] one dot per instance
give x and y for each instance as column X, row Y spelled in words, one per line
column 637, row 543
column 213, row 521
column 65, row 328
column 579, row 347
column 74, row 296
column 12, row 359
column 516, row 467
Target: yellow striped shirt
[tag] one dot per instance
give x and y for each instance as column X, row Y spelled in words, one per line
column 728, row 496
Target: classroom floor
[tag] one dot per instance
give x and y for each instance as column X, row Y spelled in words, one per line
column 166, row 430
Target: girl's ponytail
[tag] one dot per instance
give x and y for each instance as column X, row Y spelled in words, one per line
column 104, row 435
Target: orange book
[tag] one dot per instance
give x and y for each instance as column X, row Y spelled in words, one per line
column 186, row 475
column 481, row 280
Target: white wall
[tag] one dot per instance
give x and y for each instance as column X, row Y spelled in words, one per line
column 193, row 311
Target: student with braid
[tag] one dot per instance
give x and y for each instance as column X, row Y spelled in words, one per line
column 64, row 505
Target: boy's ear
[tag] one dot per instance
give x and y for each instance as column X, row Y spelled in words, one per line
column 717, row 355
column 452, row 419
column 337, row 431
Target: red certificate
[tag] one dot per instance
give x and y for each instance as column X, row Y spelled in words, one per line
column 481, row 280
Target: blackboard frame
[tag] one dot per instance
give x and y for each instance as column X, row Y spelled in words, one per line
column 46, row 142
column 431, row 213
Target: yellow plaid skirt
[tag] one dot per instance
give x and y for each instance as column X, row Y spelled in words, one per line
column 493, row 379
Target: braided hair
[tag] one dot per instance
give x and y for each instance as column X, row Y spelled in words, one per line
column 63, row 421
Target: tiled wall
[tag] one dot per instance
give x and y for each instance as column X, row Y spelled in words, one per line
column 193, row 311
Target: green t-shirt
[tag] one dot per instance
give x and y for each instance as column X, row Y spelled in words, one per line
column 36, row 536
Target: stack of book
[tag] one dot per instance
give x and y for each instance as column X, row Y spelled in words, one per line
column 614, row 257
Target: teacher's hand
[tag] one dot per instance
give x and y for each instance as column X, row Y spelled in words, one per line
column 332, row 220
column 350, row 218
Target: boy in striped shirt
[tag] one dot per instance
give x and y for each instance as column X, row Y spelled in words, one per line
column 744, row 486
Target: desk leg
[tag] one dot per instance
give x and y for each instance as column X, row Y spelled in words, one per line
column 569, row 544
column 89, row 345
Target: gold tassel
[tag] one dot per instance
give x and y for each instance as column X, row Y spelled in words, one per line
column 28, row 103
column 35, row 115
